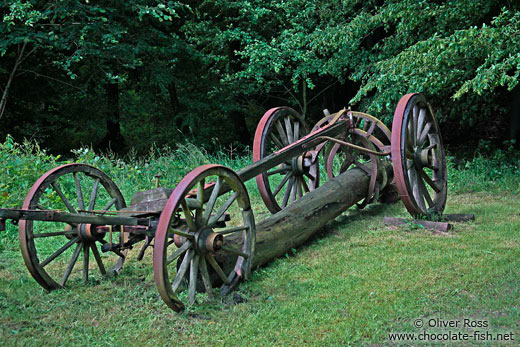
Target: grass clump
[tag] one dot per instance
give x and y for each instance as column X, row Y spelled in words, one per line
column 487, row 171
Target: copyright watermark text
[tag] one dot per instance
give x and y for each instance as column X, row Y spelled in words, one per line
column 438, row 329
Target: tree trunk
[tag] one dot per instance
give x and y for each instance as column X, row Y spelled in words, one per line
column 296, row 223
column 174, row 99
column 19, row 59
column 304, row 99
column 240, row 127
column 238, row 118
column 113, row 140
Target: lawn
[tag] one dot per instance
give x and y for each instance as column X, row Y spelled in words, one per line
column 355, row 282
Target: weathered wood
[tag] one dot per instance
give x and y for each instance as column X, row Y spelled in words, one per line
column 293, row 225
column 151, row 195
column 439, row 226
column 71, row 218
column 291, row 151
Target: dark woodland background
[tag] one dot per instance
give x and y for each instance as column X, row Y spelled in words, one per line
column 122, row 75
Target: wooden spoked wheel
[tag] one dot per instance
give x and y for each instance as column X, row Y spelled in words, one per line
column 340, row 158
column 363, row 126
column 284, row 184
column 418, row 157
column 192, row 246
column 58, row 253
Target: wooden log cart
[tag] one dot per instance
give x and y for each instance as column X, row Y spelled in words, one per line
column 75, row 224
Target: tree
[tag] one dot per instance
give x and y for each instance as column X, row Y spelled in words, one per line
column 83, row 46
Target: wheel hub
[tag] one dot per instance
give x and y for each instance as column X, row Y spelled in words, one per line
column 302, row 164
column 89, row 233
column 206, row 240
column 423, row 157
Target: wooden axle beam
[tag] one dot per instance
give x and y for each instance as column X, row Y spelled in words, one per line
column 296, row 223
column 71, row 218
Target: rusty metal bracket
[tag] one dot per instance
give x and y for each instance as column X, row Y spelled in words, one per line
column 351, row 145
column 145, row 246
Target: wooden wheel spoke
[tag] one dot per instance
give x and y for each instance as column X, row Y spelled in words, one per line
column 412, row 174
column 194, row 268
column 85, row 262
column 41, row 207
column 56, row 233
column 79, row 193
column 362, row 167
column 281, row 132
column 200, row 199
column 299, row 189
column 282, row 183
column 214, row 219
column 59, row 251
column 108, row 206
column 71, row 264
column 97, row 257
column 294, row 189
column 181, row 233
column 310, row 176
column 430, row 182
column 433, row 145
column 287, row 192
column 234, row 251
column 420, row 122
column 93, row 195
column 211, row 202
column 346, row 164
column 213, row 263
column 187, row 215
column 277, row 171
column 205, row 277
column 277, row 142
column 182, row 270
column 305, row 186
column 62, row 196
column 178, row 252
column 425, row 192
column 296, row 131
column 232, row 230
column 371, row 129
column 288, row 129
column 414, row 124
column 424, row 133
column 409, row 135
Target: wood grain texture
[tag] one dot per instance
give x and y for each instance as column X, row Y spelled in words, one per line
column 295, row 224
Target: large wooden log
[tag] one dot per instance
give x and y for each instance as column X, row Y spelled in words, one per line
column 293, row 225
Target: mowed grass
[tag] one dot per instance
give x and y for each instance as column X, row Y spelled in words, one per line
column 354, row 282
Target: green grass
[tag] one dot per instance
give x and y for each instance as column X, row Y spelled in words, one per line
column 352, row 283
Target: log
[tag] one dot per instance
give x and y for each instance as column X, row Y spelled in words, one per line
column 296, row 223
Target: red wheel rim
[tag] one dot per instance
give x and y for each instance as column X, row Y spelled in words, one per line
column 294, row 184
column 414, row 131
column 195, row 230
column 28, row 246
